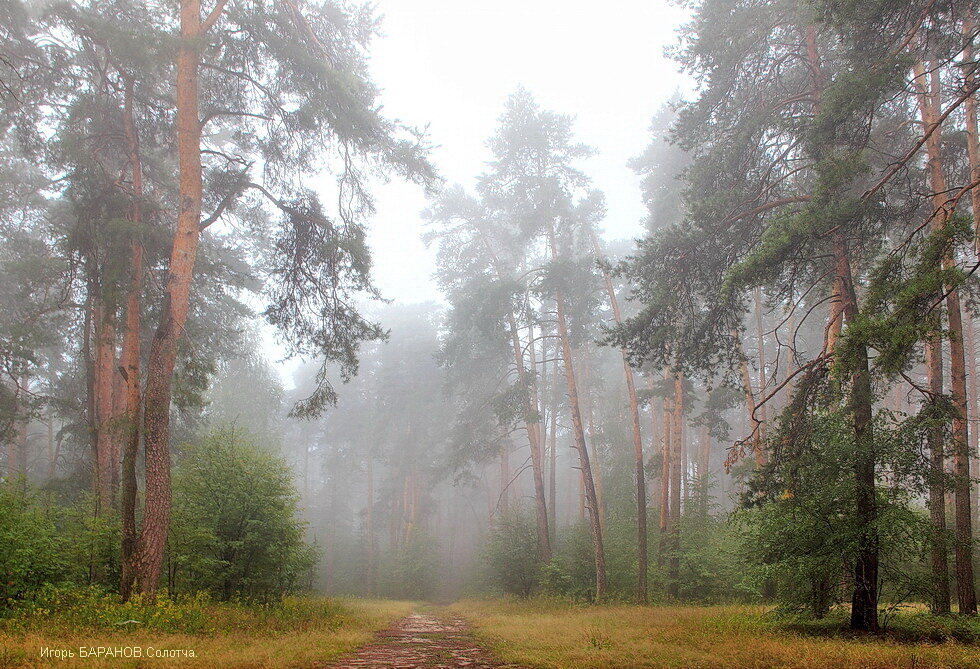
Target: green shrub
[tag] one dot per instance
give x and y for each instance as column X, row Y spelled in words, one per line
column 511, row 554
column 411, row 570
column 33, row 551
column 234, row 530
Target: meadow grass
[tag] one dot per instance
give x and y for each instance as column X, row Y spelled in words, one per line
column 548, row 633
column 299, row 631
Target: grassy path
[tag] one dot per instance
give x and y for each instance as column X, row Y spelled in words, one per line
column 422, row 640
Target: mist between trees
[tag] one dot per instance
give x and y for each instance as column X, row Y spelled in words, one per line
column 771, row 396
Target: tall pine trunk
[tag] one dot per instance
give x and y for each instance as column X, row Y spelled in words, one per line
column 130, row 358
column 666, row 446
column 581, row 446
column 864, row 600
column 634, row 407
column 105, row 366
column 938, row 548
column 676, row 475
column 928, row 93
column 761, row 347
column 163, row 349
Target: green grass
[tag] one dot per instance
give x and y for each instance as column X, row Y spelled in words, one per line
column 545, row 633
column 295, row 632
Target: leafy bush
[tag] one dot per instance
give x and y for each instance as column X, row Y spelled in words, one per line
column 32, row 549
column 234, row 531
column 411, row 570
column 511, row 554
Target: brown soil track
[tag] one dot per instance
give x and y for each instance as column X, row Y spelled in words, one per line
column 419, row 641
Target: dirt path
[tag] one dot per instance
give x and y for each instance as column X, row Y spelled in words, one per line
column 423, row 640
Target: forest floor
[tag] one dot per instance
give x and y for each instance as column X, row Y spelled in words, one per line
column 548, row 634
column 330, row 633
column 302, row 632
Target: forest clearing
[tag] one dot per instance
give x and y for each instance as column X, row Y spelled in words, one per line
column 482, row 634
column 419, row 333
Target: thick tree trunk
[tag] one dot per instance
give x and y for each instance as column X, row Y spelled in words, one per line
column 130, row 359
column 937, row 488
column 580, row 443
column 928, row 90
column 163, row 350
column 864, row 601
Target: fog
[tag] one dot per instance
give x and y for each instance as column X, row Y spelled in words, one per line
column 506, row 307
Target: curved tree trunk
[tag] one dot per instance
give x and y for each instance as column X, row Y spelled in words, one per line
column 639, row 474
column 163, row 350
column 581, row 446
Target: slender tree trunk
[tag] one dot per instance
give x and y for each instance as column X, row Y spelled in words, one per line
column 130, row 359
column 929, row 105
column 504, row 503
column 163, row 350
column 761, row 345
column 553, row 454
column 673, row 577
column 970, row 112
column 580, row 443
column 704, row 456
column 973, row 154
column 372, row 561
column 537, row 456
column 596, row 460
column 665, row 477
column 754, row 422
column 532, row 423
column 105, row 365
column 52, row 453
column 971, row 370
column 634, row 407
column 23, row 423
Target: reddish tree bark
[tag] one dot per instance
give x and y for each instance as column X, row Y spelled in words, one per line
column 130, row 359
column 928, row 94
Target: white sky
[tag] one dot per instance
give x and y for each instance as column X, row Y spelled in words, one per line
column 452, row 63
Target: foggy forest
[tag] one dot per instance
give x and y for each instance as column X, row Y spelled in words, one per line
column 536, row 334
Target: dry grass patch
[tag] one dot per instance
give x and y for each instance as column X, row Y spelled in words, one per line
column 567, row 636
column 301, row 632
